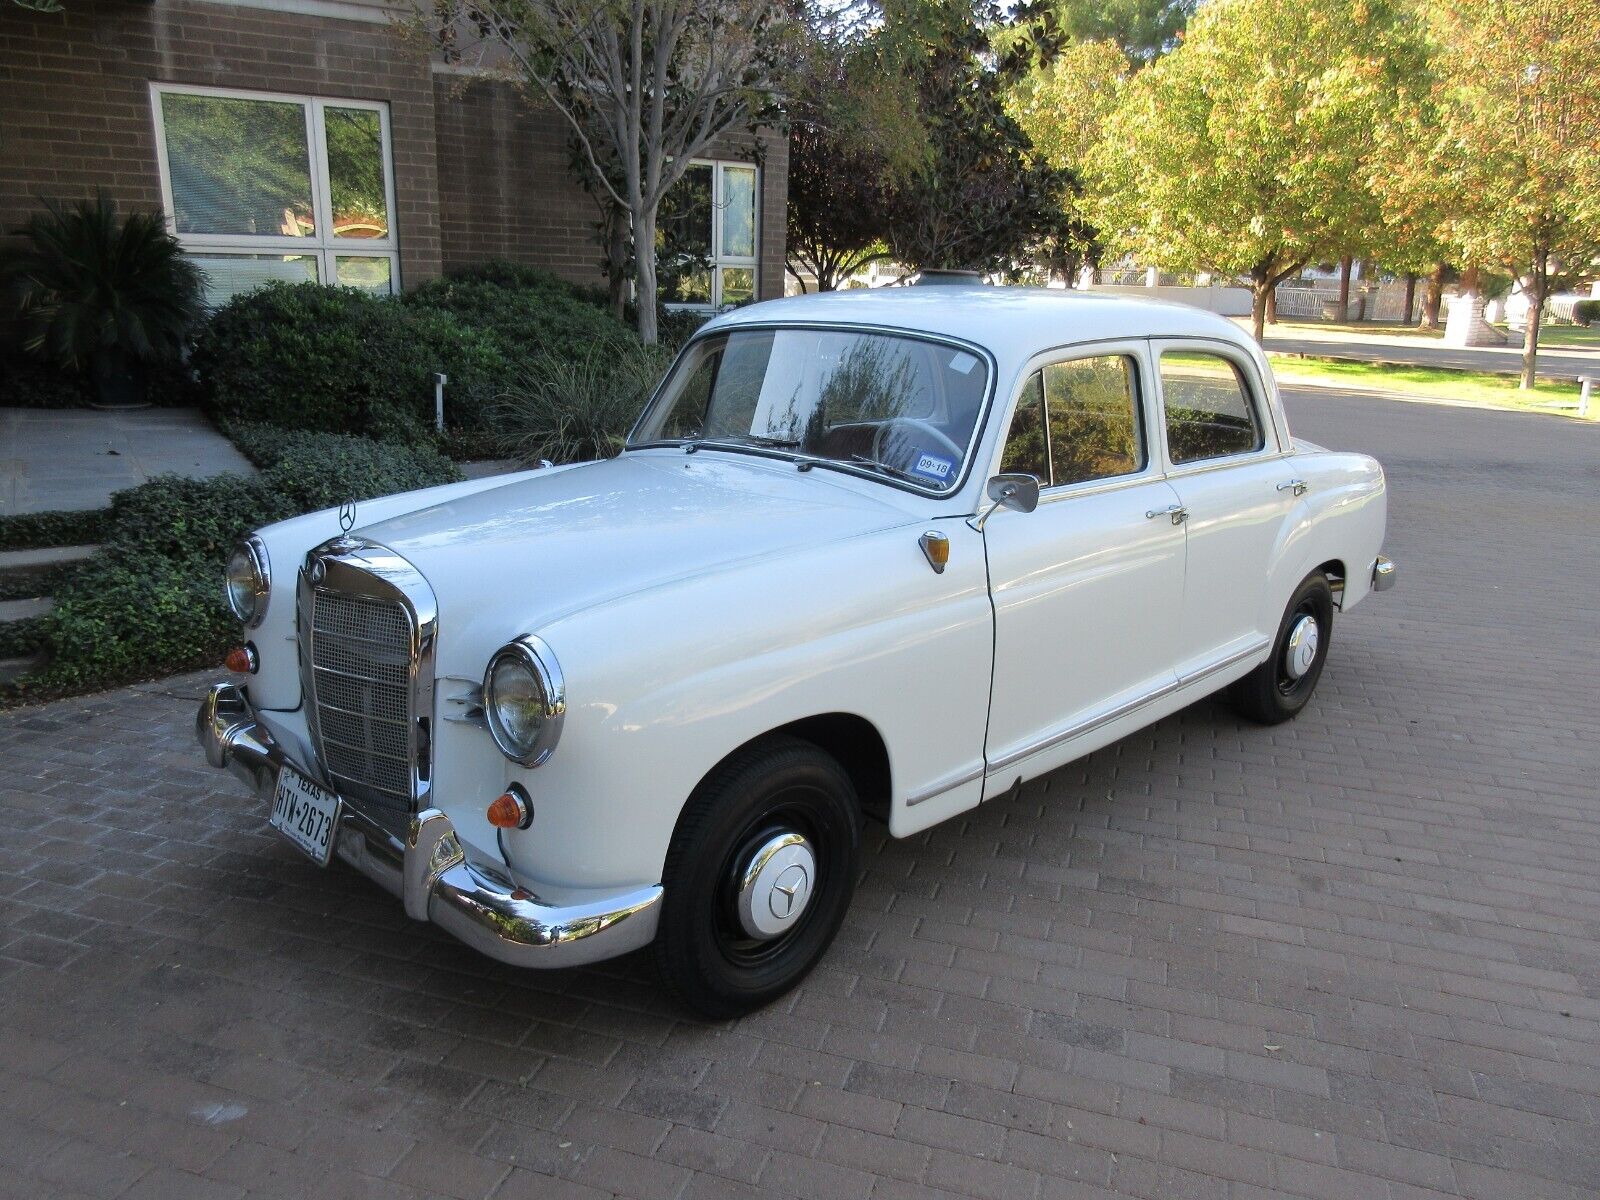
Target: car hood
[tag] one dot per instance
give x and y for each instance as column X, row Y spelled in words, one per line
column 565, row 539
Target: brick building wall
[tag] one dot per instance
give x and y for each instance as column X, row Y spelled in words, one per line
column 478, row 172
column 75, row 101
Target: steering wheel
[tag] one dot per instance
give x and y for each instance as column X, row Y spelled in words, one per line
column 881, row 433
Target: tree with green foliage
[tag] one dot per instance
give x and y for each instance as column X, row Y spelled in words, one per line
column 1062, row 107
column 1243, row 152
column 976, row 193
column 1520, row 132
column 1142, row 29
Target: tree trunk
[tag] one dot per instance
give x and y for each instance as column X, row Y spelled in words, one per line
column 1530, row 338
column 1344, row 289
column 1272, row 305
column 1260, row 296
column 644, row 274
column 617, row 266
column 1411, row 298
column 1433, row 298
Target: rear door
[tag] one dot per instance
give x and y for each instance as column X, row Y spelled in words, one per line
column 1223, row 460
column 1084, row 587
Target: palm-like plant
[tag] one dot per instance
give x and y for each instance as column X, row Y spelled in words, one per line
column 94, row 293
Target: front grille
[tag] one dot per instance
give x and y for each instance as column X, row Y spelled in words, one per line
column 361, row 672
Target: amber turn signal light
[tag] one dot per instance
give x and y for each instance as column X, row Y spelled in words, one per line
column 242, row 659
column 511, row 809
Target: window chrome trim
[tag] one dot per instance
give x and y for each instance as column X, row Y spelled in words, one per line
column 1099, row 720
column 980, row 423
column 1256, row 395
column 534, row 653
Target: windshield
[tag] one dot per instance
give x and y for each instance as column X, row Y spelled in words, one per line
column 894, row 406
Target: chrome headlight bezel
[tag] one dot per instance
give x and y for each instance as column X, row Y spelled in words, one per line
column 533, row 656
column 253, row 552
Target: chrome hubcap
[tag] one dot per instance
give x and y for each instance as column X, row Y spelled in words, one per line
column 1301, row 651
column 775, row 886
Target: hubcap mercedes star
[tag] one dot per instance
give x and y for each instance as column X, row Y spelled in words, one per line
column 775, row 887
column 1301, row 651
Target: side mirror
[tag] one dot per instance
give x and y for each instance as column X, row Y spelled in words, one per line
column 1019, row 493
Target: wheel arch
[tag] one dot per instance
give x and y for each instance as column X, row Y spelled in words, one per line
column 852, row 740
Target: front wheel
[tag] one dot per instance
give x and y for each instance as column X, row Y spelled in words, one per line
column 758, row 878
column 1280, row 687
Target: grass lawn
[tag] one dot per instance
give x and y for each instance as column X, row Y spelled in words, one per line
column 1361, row 328
column 1477, row 388
column 1572, row 337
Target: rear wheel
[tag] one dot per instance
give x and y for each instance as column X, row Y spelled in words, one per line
column 758, row 878
column 1280, row 687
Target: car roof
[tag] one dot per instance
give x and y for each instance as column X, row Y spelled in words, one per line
column 1013, row 323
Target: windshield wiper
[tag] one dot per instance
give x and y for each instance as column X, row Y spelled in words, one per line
column 898, row 472
column 760, row 439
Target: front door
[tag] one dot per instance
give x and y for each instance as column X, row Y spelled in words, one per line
column 1223, row 460
column 1086, row 587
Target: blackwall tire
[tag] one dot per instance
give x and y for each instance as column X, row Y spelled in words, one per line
column 1280, row 687
column 776, row 825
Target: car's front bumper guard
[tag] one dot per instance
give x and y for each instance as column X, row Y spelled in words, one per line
column 429, row 870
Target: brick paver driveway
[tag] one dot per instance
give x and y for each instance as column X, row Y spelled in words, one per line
column 1357, row 956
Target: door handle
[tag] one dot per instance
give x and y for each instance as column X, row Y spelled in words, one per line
column 1297, row 486
column 1177, row 512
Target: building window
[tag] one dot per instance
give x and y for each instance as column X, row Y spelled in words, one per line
column 706, row 237
column 259, row 186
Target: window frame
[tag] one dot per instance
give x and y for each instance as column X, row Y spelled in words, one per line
column 720, row 261
column 1255, row 398
column 324, row 247
column 1145, row 409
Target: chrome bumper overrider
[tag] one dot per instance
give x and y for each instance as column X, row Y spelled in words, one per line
column 1384, row 573
column 428, row 869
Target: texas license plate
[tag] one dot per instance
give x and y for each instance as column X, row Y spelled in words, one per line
column 306, row 813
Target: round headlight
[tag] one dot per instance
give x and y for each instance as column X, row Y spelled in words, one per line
column 524, row 698
column 248, row 581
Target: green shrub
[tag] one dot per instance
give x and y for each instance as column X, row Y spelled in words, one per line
column 32, row 531
column 319, row 470
column 1586, row 312
column 121, row 620
column 525, row 321
column 174, row 518
column 337, row 360
column 28, row 383
column 101, row 295
column 151, row 603
column 569, row 408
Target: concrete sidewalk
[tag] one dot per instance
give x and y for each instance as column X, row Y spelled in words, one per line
column 53, row 459
column 1556, row 363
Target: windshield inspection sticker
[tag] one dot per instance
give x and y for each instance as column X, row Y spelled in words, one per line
column 931, row 466
column 962, row 362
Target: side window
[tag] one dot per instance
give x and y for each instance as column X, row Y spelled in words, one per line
column 1208, row 409
column 1092, row 405
column 1025, row 447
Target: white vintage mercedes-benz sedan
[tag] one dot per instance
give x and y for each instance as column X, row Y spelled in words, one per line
column 869, row 554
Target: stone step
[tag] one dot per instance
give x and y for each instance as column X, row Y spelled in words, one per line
column 13, row 669
column 38, row 564
column 22, row 610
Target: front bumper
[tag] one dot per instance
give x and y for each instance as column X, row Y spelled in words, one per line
column 1384, row 574
column 428, row 869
